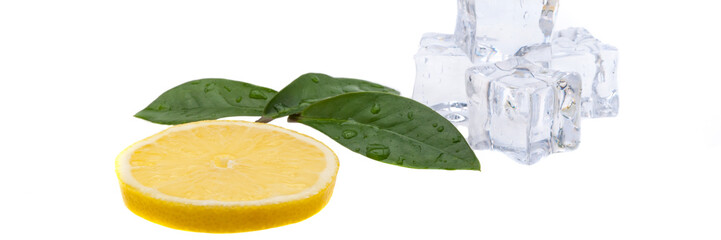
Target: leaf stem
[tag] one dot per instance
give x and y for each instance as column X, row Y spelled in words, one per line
column 293, row 118
column 264, row 119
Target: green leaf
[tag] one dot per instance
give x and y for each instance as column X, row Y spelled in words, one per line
column 313, row 87
column 391, row 129
column 205, row 99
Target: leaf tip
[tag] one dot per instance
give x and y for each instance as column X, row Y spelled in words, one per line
column 476, row 166
column 141, row 115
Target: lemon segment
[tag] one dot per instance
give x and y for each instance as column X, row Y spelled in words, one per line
column 226, row 176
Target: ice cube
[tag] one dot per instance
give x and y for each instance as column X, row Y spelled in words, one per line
column 576, row 50
column 566, row 131
column 491, row 30
column 477, row 82
column 523, row 109
column 440, row 69
column 540, row 54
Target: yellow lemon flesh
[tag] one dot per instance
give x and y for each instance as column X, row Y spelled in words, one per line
column 226, row 176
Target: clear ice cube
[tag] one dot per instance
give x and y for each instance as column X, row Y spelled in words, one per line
column 477, row 82
column 491, row 30
column 522, row 109
column 540, row 54
column 576, row 50
column 440, row 69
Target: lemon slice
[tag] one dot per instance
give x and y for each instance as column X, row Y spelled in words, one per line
column 226, row 176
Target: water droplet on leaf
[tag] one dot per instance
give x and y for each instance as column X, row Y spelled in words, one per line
column 378, row 151
column 162, row 107
column 440, row 129
column 410, row 116
column 238, row 99
column 440, row 158
column 435, row 125
column 314, row 79
column 256, row 94
column 209, row 87
column 348, row 134
column 308, row 102
column 351, row 88
column 376, row 108
column 280, row 108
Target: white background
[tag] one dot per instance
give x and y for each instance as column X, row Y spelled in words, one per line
column 74, row 72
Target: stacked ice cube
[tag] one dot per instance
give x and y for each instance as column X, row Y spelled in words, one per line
column 521, row 88
column 522, row 109
column 440, row 69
